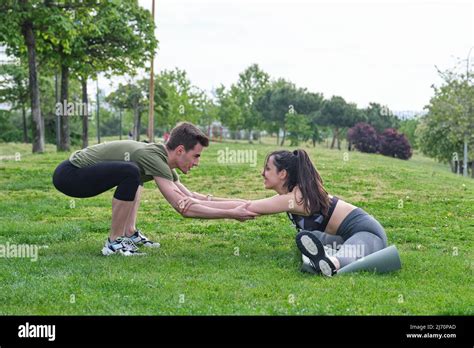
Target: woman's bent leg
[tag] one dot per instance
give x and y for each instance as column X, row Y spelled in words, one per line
column 359, row 245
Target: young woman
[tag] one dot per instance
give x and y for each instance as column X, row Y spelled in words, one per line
column 320, row 218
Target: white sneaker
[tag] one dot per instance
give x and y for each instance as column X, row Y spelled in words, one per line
column 139, row 239
column 120, row 246
column 307, row 266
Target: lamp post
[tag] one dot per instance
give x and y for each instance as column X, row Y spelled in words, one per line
column 151, row 109
column 98, row 107
column 468, row 110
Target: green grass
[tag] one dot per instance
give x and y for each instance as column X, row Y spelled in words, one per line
column 228, row 267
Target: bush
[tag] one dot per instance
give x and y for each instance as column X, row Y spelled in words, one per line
column 395, row 144
column 364, row 137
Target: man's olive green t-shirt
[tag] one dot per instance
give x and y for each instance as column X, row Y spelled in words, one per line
column 152, row 159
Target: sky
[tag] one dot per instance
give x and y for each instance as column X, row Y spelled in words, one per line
column 364, row 51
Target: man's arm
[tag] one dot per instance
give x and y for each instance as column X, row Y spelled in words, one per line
column 201, row 197
column 172, row 194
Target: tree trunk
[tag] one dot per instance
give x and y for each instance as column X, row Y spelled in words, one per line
column 85, row 114
column 335, row 134
column 25, row 131
column 121, row 131
column 465, row 161
column 64, row 139
column 283, row 138
column 38, row 122
column 250, row 136
column 139, row 121
column 278, row 136
column 136, row 124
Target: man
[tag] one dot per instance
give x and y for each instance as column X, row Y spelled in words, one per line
column 127, row 165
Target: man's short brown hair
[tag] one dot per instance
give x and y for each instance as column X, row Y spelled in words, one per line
column 188, row 135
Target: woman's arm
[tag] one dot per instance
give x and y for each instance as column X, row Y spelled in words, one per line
column 174, row 196
column 272, row 205
column 277, row 204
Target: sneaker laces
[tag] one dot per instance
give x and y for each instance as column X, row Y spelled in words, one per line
column 142, row 237
column 129, row 244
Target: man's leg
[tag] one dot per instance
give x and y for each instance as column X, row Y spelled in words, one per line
column 131, row 231
column 121, row 210
column 130, row 226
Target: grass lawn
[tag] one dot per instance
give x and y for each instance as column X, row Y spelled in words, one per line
column 228, row 267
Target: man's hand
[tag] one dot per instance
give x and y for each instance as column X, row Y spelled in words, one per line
column 242, row 214
column 186, row 202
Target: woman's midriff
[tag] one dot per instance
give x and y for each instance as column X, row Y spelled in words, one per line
column 340, row 212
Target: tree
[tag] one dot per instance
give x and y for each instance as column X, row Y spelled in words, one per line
column 282, row 98
column 433, row 141
column 298, row 126
column 208, row 111
column 131, row 96
column 338, row 114
column 380, row 117
column 251, row 84
column 447, row 130
column 14, row 89
column 114, row 38
column 228, row 110
column 19, row 27
column 408, row 127
column 79, row 39
column 183, row 98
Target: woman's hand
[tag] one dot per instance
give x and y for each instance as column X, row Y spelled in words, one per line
column 241, row 212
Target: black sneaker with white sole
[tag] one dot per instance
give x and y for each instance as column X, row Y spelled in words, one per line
column 311, row 246
column 120, row 246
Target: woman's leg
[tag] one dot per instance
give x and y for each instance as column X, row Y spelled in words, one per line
column 330, row 244
column 330, row 241
column 359, row 245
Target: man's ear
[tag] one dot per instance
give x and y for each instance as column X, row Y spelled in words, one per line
column 180, row 149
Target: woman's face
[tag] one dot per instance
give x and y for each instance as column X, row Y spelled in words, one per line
column 272, row 179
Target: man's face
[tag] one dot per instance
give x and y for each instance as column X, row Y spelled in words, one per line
column 187, row 160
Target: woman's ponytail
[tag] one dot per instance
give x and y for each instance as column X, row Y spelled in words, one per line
column 315, row 197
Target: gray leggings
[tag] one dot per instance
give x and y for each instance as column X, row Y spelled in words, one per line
column 358, row 235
